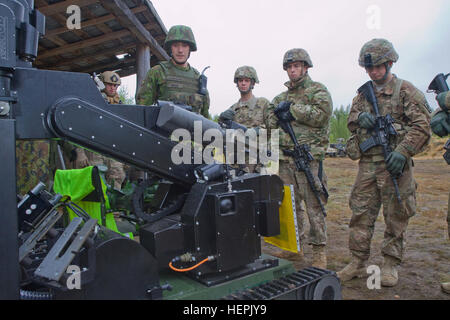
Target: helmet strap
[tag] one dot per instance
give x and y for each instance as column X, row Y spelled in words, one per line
column 388, row 70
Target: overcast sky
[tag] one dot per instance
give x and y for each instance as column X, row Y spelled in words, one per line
column 233, row 33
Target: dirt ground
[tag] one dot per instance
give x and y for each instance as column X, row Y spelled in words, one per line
column 427, row 258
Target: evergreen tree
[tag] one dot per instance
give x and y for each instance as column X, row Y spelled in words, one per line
column 338, row 124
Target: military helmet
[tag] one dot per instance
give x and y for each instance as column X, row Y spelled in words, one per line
column 296, row 54
column 180, row 33
column 376, row 52
column 246, row 72
column 110, row 77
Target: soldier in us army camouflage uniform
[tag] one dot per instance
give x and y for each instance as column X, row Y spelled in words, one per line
column 312, row 108
column 112, row 82
column 115, row 175
column 175, row 80
column 373, row 186
column 249, row 111
column 35, row 161
column 440, row 125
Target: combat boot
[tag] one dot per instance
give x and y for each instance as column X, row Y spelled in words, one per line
column 319, row 257
column 355, row 269
column 446, row 287
column 389, row 273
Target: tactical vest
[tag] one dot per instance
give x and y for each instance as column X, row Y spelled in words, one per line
column 181, row 86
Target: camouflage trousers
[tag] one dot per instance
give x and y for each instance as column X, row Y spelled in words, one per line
column 374, row 187
column 304, row 198
column 34, row 163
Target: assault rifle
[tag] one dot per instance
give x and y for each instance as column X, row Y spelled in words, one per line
column 383, row 130
column 301, row 153
column 439, row 85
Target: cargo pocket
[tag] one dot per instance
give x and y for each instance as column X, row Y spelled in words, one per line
column 407, row 208
column 410, row 199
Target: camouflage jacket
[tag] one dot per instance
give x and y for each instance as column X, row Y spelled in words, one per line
column 312, row 108
column 251, row 113
column 170, row 82
column 410, row 111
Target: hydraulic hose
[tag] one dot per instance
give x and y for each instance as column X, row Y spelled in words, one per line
column 190, row 268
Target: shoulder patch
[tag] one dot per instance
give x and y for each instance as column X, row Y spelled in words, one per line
column 427, row 106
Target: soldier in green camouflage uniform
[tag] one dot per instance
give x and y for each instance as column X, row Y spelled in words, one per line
column 373, row 186
column 312, row 108
column 440, row 125
column 115, row 175
column 175, row 80
column 249, row 111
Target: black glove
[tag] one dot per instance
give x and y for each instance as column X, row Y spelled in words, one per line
column 283, row 106
column 395, row 162
column 440, row 124
column 285, row 116
column 227, row 115
column 366, row 120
